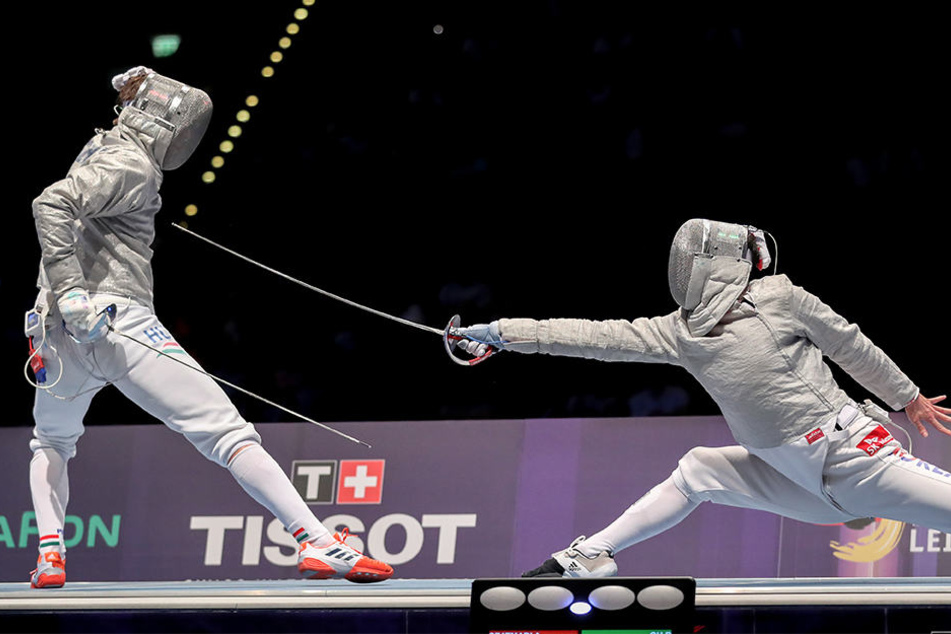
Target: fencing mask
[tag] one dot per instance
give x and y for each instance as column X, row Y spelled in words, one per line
column 182, row 110
column 701, row 246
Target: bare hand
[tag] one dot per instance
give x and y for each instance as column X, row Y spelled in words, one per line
column 923, row 410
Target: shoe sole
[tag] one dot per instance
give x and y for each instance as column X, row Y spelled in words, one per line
column 596, row 575
column 315, row 569
column 49, row 581
column 367, row 575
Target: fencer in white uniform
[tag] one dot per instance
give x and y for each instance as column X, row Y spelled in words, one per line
column 806, row 449
column 95, row 228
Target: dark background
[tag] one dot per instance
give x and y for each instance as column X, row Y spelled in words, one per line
column 534, row 159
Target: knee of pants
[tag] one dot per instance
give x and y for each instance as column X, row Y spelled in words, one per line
column 698, row 471
column 63, row 445
column 220, row 447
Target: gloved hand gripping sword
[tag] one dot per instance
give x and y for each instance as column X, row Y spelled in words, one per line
column 479, row 340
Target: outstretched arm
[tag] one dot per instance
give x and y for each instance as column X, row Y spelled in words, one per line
column 924, row 410
column 648, row 340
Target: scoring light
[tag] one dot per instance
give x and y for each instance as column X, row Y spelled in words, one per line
column 579, row 608
column 550, row 598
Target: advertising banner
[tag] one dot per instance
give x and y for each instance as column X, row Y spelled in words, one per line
column 435, row 499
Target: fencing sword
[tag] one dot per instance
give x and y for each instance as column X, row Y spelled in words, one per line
column 450, row 334
column 111, row 310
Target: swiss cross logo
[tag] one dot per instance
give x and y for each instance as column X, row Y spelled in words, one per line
column 872, row 443
column 360, row 482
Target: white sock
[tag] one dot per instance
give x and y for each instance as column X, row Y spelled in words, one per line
column 662, row 507
column 264, row 480
column 49, row 486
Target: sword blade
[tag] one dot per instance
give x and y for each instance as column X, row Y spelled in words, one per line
column 311, row 287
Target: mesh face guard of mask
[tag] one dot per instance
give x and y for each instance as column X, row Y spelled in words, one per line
column 181, row 109
column 695, row 247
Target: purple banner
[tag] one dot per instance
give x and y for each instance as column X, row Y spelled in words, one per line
column 443, row 499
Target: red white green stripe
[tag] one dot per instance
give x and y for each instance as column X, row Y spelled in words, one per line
column 47, row 541
column 300, row 535
column 172, row 348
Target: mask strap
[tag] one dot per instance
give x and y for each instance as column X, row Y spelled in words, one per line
column 775, row 252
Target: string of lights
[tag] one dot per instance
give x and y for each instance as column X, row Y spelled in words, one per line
column 242, row 117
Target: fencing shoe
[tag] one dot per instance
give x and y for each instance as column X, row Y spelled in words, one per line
column 571, row 563
column 50, row 571
column 340, row 561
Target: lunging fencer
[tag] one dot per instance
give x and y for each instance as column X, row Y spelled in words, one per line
column 95, row 229
column 805, row 450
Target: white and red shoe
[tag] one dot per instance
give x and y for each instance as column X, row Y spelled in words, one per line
column 338, row 561
column 50, row 571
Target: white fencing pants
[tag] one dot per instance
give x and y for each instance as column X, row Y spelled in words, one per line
column 859, row 472
column 186, row 401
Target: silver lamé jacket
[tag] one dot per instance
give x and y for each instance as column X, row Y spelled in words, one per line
column 96, row 225
column 759, row 350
